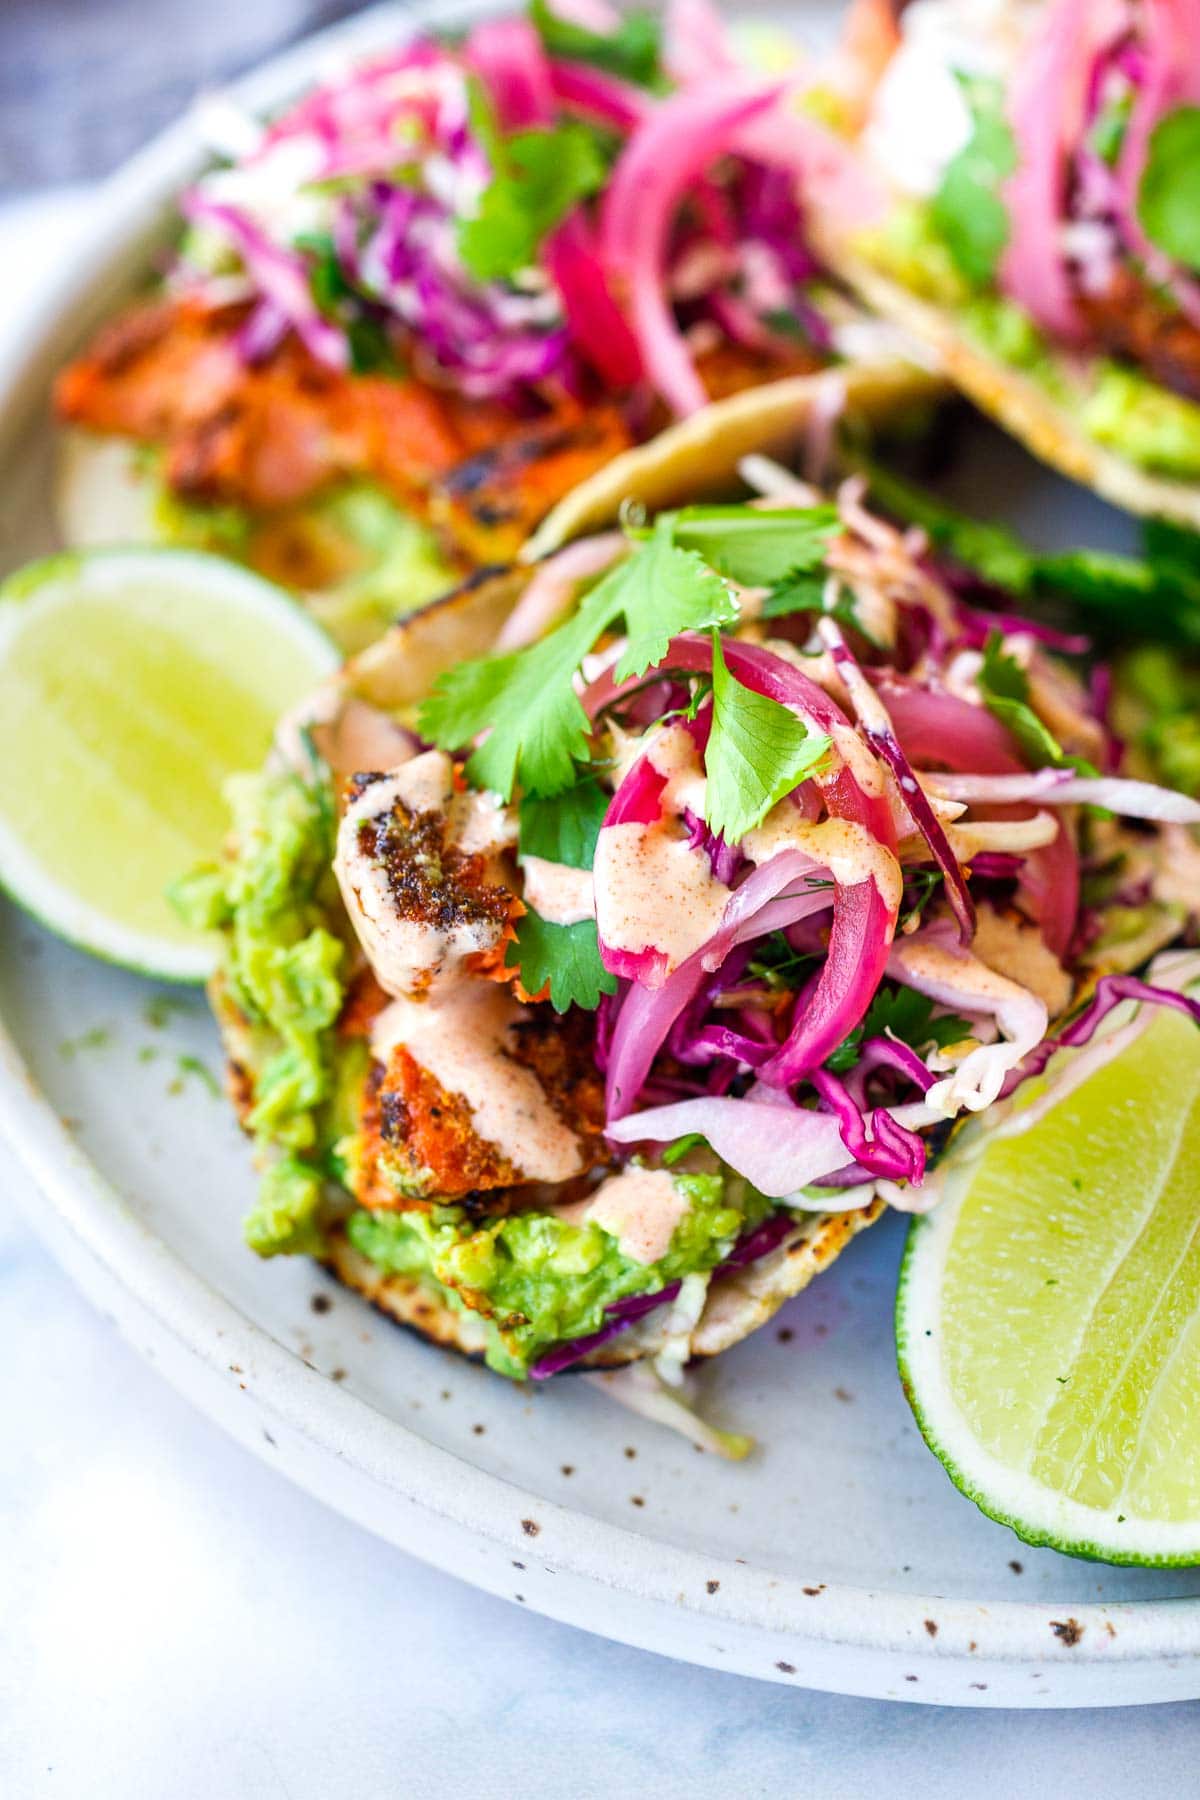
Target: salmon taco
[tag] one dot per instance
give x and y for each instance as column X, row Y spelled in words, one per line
column 617, row 937
column 1037, row 173
column 412, row 312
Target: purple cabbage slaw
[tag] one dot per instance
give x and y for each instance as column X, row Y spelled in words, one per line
column 387, row 161
column 680, row 1042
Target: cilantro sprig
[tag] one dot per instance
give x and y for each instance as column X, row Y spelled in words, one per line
column 1004, row 686
column 526, row 701
column 562, row 828
column 537, row 177
column 755, row 546
column 632, row 50
column 904, row 1014
column 563, row 958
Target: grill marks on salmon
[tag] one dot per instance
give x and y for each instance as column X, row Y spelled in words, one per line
column 281, row 431
column 272, row 435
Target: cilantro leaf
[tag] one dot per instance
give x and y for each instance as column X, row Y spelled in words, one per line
column 1005, row 689
column 797, row 592
column 1002, row 676
column 563, row 828
column 967, row 210
column 754, row 545
column 665, row 590
column 904, row 1014
column 525, row 701
column 1038, row 745
column 633, row 49
column 909, row 1016
column 843, row 1059
column 566, row 958
column 336, row 298
column 537, row 177
column 1168, row 201
column 758, row 751
column 1109, row 128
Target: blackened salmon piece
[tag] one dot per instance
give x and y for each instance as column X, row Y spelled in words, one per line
column 263, row 435
column 419, row 1145
column 732, row 368
column 155, row 370
column 422, row 871
column 491, row 502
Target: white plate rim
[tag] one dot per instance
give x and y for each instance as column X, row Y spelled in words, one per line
column 1014, row 1636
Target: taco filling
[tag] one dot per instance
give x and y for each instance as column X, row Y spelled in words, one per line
column 452, row 282
column 582, row 1015
column 1045, row 168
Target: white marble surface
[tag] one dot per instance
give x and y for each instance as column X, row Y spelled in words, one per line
column 175, row 1620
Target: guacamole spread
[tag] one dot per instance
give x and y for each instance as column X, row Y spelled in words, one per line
column 540, row 1280
column 1115, row 404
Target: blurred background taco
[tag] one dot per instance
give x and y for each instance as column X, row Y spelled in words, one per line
column 408, row 315
column 1034, row 221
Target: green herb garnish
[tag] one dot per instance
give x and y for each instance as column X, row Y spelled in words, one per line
column 1168, row 202
column 902, row 1013
column 756, row 546
column 566, row 958
column 537, row 177
column 633, row 50
column 967, row 210
column 526, row 702
column 563, row 828
column 1004, row 686
column 758, row 751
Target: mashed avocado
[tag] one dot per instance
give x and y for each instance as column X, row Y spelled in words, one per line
column 1120, row 408
column 1143, row 421
column 907, row 247
column 281, row 984
column 358, row 558
column 1006, row 329
column 539, row 1280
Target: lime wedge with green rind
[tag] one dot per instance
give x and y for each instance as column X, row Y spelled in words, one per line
column 132, row 683
column 1048, row 1318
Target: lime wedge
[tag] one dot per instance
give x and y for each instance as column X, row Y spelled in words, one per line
column 132, row 682
column 1048, row 1319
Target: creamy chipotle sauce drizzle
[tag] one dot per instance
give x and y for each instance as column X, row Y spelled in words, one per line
column 462, row 1038
column 639, row 1207
column 652, row 891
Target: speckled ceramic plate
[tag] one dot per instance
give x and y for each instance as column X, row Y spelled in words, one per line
column 839, row 1556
